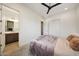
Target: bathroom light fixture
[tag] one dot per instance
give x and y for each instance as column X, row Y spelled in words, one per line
column 13, row 20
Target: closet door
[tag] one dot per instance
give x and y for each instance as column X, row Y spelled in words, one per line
column 55, row 27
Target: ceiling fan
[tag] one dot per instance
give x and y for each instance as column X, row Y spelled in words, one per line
column 50, row 7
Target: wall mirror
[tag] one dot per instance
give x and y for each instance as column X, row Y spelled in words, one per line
column 9, row 25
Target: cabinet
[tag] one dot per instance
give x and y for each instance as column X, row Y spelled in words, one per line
column 11, row 37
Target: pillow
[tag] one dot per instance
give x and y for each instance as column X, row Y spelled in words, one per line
column 73, row 42
column 70, row 37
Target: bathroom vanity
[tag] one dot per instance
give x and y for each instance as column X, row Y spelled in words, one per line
column 11, row 37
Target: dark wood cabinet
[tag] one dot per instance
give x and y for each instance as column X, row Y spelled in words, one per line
column 11, row 37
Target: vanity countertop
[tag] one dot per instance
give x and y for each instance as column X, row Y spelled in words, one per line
column 10, row 32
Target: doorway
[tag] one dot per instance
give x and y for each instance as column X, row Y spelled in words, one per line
column 10, row 30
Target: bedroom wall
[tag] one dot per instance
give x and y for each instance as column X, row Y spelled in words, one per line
column 77, row 21
column 30, row 23
column 63, row 24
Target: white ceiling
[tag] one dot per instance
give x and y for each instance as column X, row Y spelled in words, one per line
column 42, row 10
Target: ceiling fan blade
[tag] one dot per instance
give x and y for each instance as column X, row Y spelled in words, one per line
column 48, row 10
column 49, row 7
column 55, row 5
column 45, row 5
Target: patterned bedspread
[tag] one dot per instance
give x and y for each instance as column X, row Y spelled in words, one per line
column 43, row 46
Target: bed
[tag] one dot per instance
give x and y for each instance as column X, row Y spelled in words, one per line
column 43, row 46
column 48, row 45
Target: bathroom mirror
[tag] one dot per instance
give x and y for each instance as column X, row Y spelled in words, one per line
column 9, row 25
